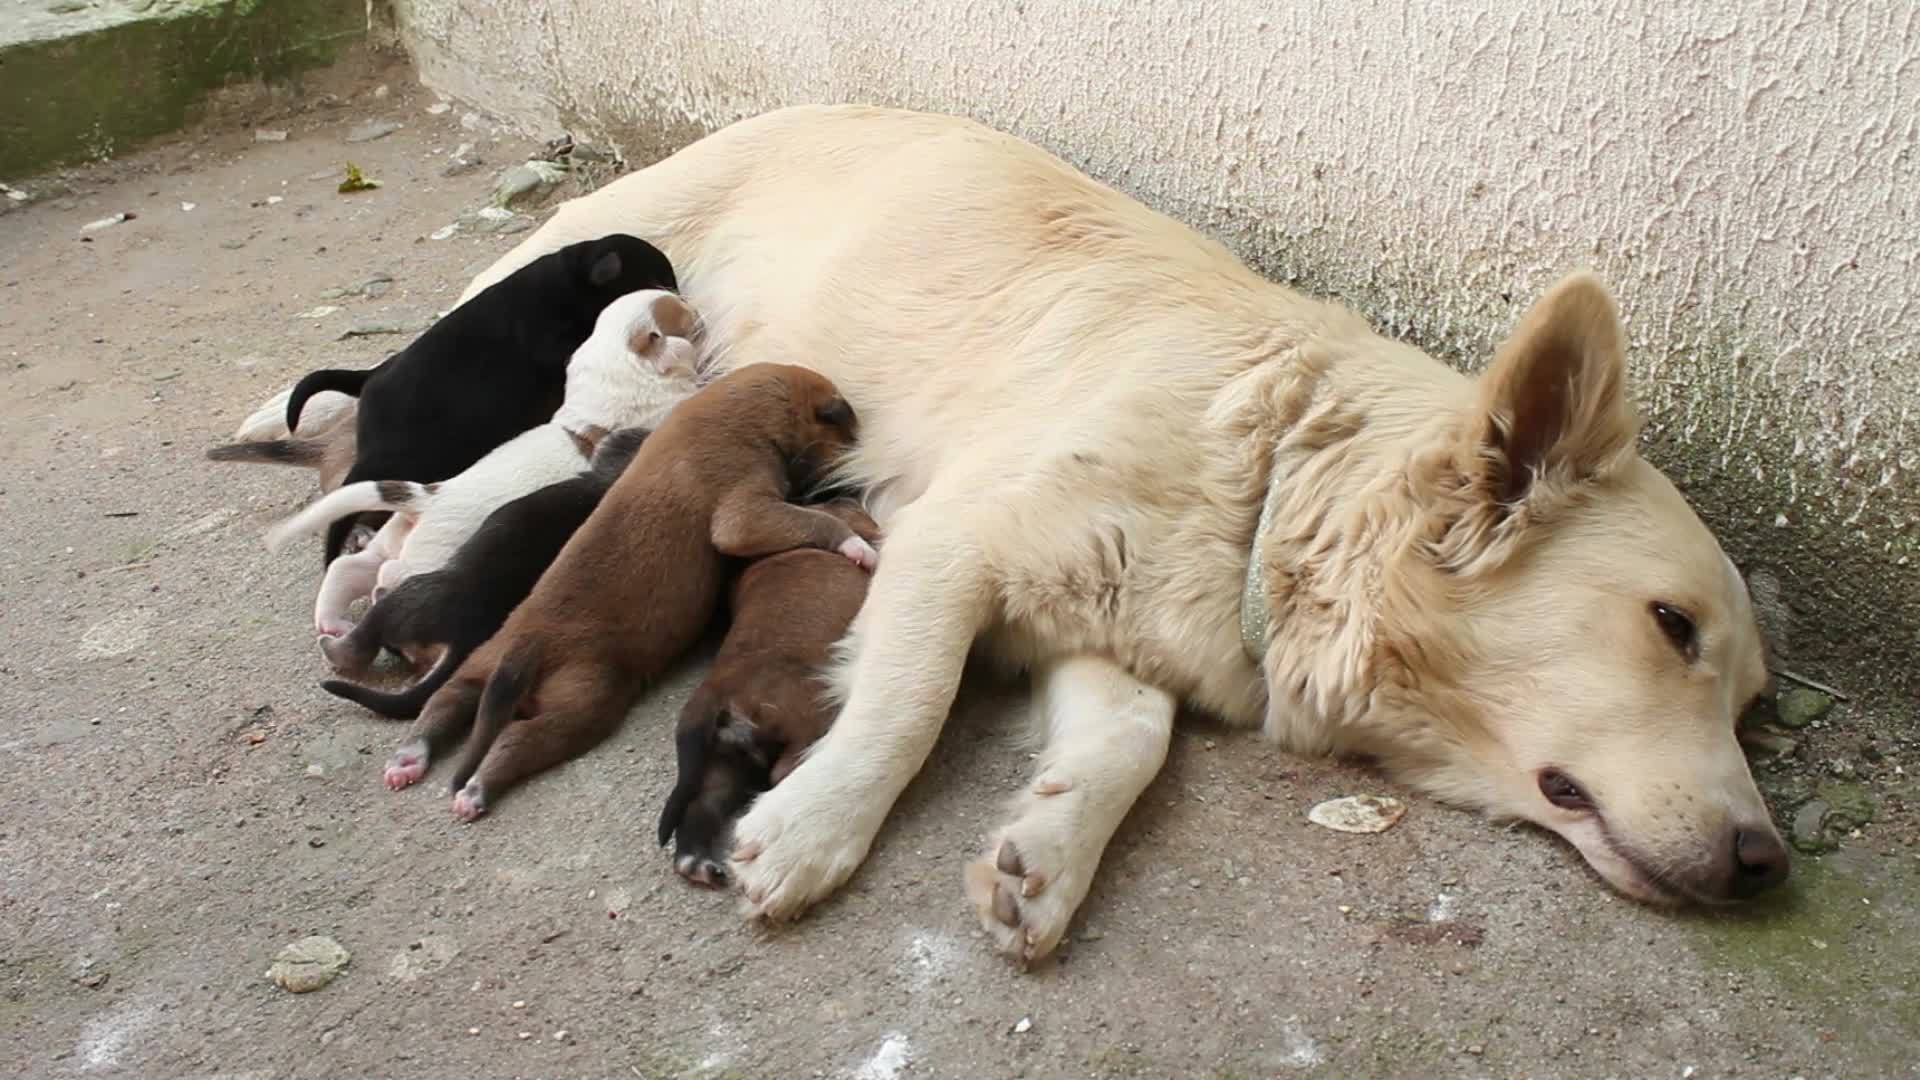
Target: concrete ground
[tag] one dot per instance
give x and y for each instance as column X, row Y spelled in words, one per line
column 181, row 800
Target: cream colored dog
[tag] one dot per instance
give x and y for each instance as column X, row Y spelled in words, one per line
column 1110, row 454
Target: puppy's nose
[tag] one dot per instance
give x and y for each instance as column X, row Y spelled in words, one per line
column 1760, row 862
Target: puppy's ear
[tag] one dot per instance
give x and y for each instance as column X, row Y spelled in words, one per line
column 1553, row 407
column 835, row 412
column 605, row 270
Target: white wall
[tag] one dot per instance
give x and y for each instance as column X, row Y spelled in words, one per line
column 1746, row 175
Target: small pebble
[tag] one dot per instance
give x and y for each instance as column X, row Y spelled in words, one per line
column 1346, row 909
column 560, row 1036
column 1476, row 1048
column 1193, row 882
column 526, row 1035
column 519, row 1004
column 315, row 769
column 1025, row 1025
column 473, row 1031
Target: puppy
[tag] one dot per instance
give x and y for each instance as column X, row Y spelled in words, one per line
column 492, row 368
column 453, row 610
column 638, row 584
column 762, row 705
column 331, row 453
column 638, row 363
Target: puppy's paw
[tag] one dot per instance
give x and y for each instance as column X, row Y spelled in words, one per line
column 357, row 540
column 1031, row 881
column 408, row 764
column 337, row 650
column 859, row 552
column 798, row 843
column 470, row 802
column 701, row 869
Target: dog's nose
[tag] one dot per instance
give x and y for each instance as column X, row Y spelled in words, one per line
column 1760, row 862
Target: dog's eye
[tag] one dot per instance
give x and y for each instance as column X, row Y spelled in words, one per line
column 1561, row 791
column 1679, row 628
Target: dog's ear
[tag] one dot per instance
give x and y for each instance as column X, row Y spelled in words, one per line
column 835, row 412
column 605, row 270
column 1553, row 409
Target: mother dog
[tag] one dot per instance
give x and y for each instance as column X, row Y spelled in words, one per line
column 1105, row 451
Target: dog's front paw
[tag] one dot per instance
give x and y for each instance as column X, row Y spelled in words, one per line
column 1031, row 881
column 470, row 802
column 859, row 552
column 796, row 845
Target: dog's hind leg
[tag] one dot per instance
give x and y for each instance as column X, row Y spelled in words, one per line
column 577, row 709
column 1107, row 735
column 347, row 579
column 930, row 596
column 445, row 718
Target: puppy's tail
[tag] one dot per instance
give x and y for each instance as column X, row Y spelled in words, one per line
column 506, row 687
column 400, row 704
column 357, row 498
column 303, row 453
column 344, row 380
column 693, row 740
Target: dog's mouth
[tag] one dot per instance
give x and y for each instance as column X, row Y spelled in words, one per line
column 1617, row 863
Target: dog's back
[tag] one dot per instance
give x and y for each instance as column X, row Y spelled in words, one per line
column 763, row 704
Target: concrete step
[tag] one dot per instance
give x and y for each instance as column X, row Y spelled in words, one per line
column 84, row 80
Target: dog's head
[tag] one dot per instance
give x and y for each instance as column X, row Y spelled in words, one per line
column 1569, row 644
column 814, row 425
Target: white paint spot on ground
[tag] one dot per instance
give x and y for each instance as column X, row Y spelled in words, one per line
column 888, row 1062
column 105, row 1038
column 1298, row 1049
column 929, row 957
column 117, row 634
column 1441, row 909
column 723, row 1045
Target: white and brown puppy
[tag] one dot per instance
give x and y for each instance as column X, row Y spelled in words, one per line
column 639, row 362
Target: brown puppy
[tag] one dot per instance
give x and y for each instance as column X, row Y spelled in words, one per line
column 762, row 705
column 637, row 585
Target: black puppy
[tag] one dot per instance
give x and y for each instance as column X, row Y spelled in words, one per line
column 494, row 367
column 459, row 606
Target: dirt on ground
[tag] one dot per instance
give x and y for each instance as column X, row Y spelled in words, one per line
column 182, row 801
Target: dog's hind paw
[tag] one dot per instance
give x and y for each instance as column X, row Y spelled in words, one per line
column 408, row 764
column 470, row 802
column 702, row 870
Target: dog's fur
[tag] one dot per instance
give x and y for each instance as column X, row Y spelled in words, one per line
column 484, row 373
column 1456, row 576
column 763, row 703
column 637, row 585
column 638, row 363
column 326, row 445
column 441, row 616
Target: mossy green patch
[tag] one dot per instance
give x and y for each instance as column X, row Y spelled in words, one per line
column 95, row 93
column 1841, row 941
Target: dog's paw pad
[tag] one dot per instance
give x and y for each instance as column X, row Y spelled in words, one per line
column 1009, row 891
column 469, row 802
column 408, row 764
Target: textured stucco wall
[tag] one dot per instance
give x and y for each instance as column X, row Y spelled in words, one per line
column 1744, row 174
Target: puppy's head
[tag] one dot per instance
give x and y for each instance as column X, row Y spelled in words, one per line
column 659, row 329
column 815, row 426
column 614, row 265
column 1570, row 645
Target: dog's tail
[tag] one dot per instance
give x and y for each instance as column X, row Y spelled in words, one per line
column 346, row 380
column 363, row 497
column 399, row 704
column 693, row 740
column 506, row 687
column 303, row 453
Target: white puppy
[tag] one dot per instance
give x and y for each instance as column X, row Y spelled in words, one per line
column 639, row 362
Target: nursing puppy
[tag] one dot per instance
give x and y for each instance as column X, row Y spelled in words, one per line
column 763, row 703
column 489, row 370
column 638, row 584
column 325, row 444
column 449, row 612
column 1159, row 479
column 638, row 363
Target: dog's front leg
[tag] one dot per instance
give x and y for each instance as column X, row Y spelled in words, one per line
column 1107, row 735
column 929, row 597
